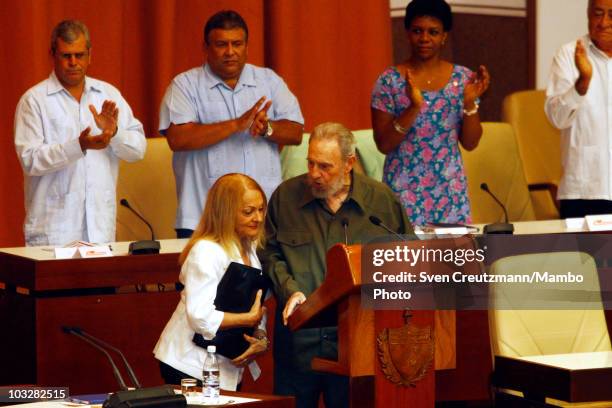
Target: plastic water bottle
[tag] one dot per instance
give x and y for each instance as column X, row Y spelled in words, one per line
column 210, row 377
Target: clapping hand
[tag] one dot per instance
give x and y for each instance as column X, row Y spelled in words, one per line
column 412, row 91
column 476, row 86
column 108, row 117
column 89, row 142
column 260, row 123
column 106, row 120
column 582, row 61
column 585, row 68
column 255, row 118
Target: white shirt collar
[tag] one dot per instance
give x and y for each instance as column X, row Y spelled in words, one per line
column 54, row 85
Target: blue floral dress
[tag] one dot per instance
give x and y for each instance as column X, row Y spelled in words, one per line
column 425, row 170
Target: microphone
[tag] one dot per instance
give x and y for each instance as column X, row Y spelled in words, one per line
column 75, row 331
column 159, row 397
column 497, row 227
column 116, row 350
column 345, row 223
column 145, row 246
column 378, row 222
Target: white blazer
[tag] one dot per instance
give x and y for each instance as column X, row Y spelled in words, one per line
column 195, row 312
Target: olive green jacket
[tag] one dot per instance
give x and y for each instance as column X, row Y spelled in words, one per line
column 300, row 229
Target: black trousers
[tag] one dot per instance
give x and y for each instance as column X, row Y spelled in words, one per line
column 308, row 386
column 580, row 208
column 183, row 233
column 173, row 376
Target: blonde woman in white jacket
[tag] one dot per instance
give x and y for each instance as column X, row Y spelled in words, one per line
column 230, row 230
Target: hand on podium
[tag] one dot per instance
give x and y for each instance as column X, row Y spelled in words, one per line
column 296, row 299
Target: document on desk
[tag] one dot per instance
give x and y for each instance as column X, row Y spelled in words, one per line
column 574, row 224
column 83, row 252
column 224, row 400
column 601, row 222
column 87, row 399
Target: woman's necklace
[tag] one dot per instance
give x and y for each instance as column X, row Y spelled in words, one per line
column 431, row 79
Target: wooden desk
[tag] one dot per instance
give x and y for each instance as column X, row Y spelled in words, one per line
column 266, row 401
column 576, row 377
column 42, row 294
column 41, row 353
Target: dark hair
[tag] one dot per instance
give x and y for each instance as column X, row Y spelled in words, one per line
column 431, row 8
column 69, row 31
column 225, row 20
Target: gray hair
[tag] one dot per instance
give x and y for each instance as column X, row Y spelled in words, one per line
column 69, row 31
column 337, row 132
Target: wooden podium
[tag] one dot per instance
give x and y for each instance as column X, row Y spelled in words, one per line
column 357, row 330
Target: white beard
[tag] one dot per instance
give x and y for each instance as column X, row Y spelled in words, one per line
column 335, row 187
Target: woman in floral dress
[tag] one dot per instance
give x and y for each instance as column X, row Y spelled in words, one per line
column 421, row 110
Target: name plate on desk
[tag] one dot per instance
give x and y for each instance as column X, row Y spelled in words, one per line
column 599, row 222
column 575, row 224
column 83, row 252
column 441, row 230
column 450, row 231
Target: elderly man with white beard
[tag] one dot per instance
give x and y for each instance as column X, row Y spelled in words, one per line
column 307, row 215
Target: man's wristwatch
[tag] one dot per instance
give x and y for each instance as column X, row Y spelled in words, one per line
column 269, row 131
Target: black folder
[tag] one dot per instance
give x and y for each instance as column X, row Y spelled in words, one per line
column 236, row 293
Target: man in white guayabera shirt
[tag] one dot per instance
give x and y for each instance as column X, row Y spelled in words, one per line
column 579, row 102
column 70, row 132
column 226, row 116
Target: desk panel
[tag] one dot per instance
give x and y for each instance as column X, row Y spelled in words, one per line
column 550, row 380
column 42, row 295
column 132, row 322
